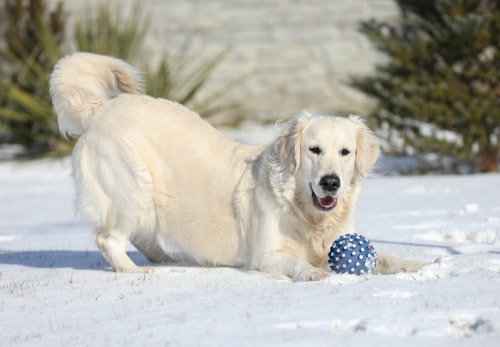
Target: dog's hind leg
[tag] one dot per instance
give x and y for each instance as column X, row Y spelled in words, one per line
column 112, row 245
column 151, row 249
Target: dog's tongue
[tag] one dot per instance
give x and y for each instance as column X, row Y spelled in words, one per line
column 327, row 202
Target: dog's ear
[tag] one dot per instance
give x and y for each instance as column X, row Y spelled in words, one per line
column 367, row 147
column 287, row 146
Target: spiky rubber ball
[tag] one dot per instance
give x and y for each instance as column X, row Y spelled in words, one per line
column 352, row 254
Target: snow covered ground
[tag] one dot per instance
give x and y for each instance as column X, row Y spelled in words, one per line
column 56, row 289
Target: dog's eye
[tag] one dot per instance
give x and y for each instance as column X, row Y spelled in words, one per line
column 315, row 149
column 345, row 152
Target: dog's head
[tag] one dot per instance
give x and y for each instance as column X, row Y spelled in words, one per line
column 325, row 155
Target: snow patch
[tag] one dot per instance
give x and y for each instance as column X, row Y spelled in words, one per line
column 471, row 208
column 336, row 325
column 6, row 238
column 344, row 279
column 394, row 294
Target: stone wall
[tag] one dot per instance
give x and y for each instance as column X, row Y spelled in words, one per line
column 295, row 54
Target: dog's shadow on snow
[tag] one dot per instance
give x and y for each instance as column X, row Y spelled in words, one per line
column 450, row 249
column 93, row 260
column 78, row 260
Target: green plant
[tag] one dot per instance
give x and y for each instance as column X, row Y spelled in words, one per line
column 439, row 90
column 32, row 46
column 179, row 78
column 35, row 40
column 113, row 33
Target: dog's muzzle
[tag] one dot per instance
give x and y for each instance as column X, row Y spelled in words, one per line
column 330, row 184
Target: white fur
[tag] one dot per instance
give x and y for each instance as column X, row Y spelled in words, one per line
column 152, row 172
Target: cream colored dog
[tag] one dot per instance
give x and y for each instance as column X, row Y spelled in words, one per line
column 152, row 172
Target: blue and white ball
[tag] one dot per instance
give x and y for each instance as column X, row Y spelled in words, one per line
column 352, row 254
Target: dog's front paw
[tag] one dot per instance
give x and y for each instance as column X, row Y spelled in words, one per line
column 295, row 268
column 310, row 275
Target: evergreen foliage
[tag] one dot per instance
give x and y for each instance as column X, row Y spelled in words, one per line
column 439, row 90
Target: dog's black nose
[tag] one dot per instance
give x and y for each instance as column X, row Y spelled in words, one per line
column 330, row 183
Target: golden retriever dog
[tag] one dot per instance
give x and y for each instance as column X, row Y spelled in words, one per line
column 152, row 172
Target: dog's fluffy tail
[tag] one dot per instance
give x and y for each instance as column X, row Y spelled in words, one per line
column 82, row 81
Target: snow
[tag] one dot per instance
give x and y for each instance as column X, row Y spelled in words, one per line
column 56, row 289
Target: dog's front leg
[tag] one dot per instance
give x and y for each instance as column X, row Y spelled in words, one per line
column 297, row 269
column 272, row 254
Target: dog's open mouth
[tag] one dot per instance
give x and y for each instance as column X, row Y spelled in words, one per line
column 324, row 204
